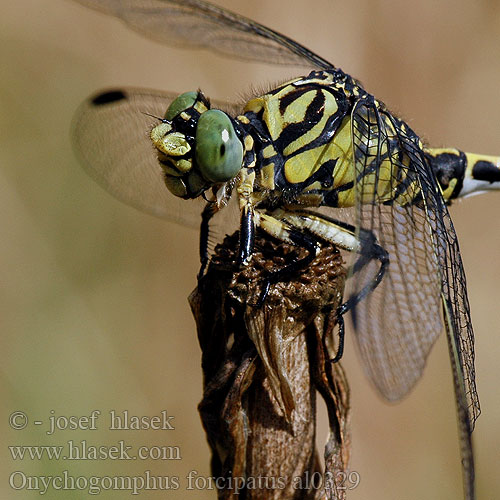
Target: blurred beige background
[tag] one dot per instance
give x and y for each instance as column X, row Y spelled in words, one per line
column 93, row 308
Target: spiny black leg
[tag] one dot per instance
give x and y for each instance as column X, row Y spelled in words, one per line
column 266, row 285
column 383, row 257
column 374, row 251
column 299, row 239
column 340, row 349
column 247, row 236
column 369, row 250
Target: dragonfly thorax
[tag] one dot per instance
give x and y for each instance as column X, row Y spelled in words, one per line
column 197, row 147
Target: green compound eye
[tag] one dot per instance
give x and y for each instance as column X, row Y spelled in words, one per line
column 179, row 104
column 219, row 152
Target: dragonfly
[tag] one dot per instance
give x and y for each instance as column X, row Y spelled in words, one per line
column 294, row 160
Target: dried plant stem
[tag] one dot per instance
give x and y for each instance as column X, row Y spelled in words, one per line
column 262, row 369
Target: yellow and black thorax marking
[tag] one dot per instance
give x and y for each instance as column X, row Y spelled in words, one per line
column 302, row 134
column 294, row 127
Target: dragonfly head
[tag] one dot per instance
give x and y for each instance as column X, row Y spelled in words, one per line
column 197, row 147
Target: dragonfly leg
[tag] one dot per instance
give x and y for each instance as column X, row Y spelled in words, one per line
column 369, row 250
column 367, row 253
column 208, row 212
column 247, row 223
column 344, row 236
column 286, row 232
column 340, row 348
column 247, row 235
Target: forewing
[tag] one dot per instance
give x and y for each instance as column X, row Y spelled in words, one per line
column 111, row 138
column 457, row 316
column 400, row 202
column 194, row 23
column 460, row 337
column 455, row 304
column 396, row 324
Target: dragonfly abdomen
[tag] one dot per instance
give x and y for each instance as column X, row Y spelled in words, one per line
column 462, row 174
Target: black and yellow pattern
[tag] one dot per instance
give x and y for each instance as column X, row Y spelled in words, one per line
column 315, row 142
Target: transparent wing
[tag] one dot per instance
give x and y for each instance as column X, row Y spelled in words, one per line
column 400, row 202
column 457, row 315
column 397, row 324
column 111, row 137
column 195, row 23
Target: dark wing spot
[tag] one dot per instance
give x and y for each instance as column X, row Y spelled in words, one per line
column 222, row 149
column 108, row 97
